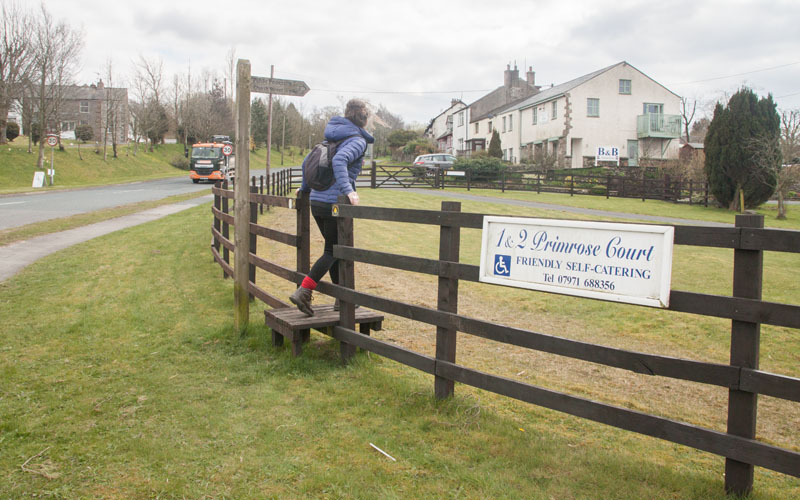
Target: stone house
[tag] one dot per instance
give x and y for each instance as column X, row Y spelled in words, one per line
column 617, row 108
column 440, row 129
column 465, row 141
column 95, row 105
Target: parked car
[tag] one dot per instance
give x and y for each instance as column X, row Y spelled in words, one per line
column 435, row 161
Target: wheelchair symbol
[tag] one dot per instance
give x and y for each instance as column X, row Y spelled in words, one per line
column 502, row 265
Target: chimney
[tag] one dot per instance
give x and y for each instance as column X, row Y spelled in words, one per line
column 531, row 77
column 100, row 85
column 507, row 76
column 453, row 102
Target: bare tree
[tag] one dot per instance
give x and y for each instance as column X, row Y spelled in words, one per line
column 138, row 89
column 230, row 69
column 16, row 56
column 152, row 73
column 790, row 136
column 112, row 116
column 56, row 49
column 687, row 115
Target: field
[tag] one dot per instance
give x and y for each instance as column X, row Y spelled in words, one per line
column 120, row 377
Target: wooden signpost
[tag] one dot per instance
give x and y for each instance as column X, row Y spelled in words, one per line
column 245, row 84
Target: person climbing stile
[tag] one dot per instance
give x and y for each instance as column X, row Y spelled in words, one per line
column 352, row 140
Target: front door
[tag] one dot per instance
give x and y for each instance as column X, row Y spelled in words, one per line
column 633, row 153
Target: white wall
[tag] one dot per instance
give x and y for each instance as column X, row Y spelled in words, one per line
column 618, row 112
column 616, row 124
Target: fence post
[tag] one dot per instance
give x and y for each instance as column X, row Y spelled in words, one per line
column 373, row 175
column 449, row 245
column 347, row 310
column 538, row 183
column 571, row 185
column 622, row 189
column 217, row 225
column 644, row 187
column 251, row 268
column 226, row 255
column 241, row 304
column 261, row 191
column 745, row 340
column 303, row 261
column 608, row 186
column 705, row 196
column 469, row 180
column 690, row 191
column 503, row 182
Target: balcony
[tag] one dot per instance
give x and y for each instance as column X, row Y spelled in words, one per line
column 658, row 126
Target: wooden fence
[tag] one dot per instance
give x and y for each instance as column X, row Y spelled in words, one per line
column 628, row 186
column 745, row 308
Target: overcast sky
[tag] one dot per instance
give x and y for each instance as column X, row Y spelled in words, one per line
column 414, row 56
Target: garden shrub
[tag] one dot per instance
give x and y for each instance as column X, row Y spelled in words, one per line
column 179, row 161
column 482, row 168
column 12, row 131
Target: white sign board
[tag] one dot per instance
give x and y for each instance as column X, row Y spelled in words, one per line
column 606, row 153
column 629, row 263
column 455, row 173
column 38, row 179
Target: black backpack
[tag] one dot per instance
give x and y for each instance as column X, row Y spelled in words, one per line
column 318, row 167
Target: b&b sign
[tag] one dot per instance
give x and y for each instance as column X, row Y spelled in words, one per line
column 629, row 263
column 606, row 153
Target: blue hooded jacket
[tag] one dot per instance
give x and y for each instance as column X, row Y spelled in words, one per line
column 346, row 162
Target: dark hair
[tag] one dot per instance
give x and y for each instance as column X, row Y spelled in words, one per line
column 357, row 112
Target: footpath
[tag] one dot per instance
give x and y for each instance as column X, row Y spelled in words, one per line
column 18, row 255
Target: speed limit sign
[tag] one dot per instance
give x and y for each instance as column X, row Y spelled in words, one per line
column 52, row 140
column 227, row 149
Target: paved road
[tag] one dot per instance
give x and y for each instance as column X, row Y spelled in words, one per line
column 19, row 210
column 22, row 209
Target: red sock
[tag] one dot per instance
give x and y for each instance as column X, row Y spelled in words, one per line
column 309, row 283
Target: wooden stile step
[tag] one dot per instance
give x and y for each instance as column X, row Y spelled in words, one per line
column 289, row 322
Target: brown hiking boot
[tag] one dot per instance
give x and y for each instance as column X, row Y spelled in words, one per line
column 302, row 299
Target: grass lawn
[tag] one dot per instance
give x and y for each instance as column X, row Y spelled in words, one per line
column 120, row 377
column 649, row 207
column 17, row 166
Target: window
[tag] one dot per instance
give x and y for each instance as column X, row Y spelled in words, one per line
column 84, row 106
column 84, row 122
column 504, row 124
column 510, row 123
column 534, row 115
column 652, row 108
column 592, row 107
column 461, row 144
column 624, row 86
column 476, row 127
column 489, row 130
column 67, row 126
column 510, row 154
column 554, row 115
column 461, row 119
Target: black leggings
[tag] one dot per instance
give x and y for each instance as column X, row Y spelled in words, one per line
column 328, row 227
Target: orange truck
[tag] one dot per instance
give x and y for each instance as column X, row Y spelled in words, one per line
column 207, row 162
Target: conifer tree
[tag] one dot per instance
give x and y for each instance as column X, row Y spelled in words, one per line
column 737, row 174
column 494, row 145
